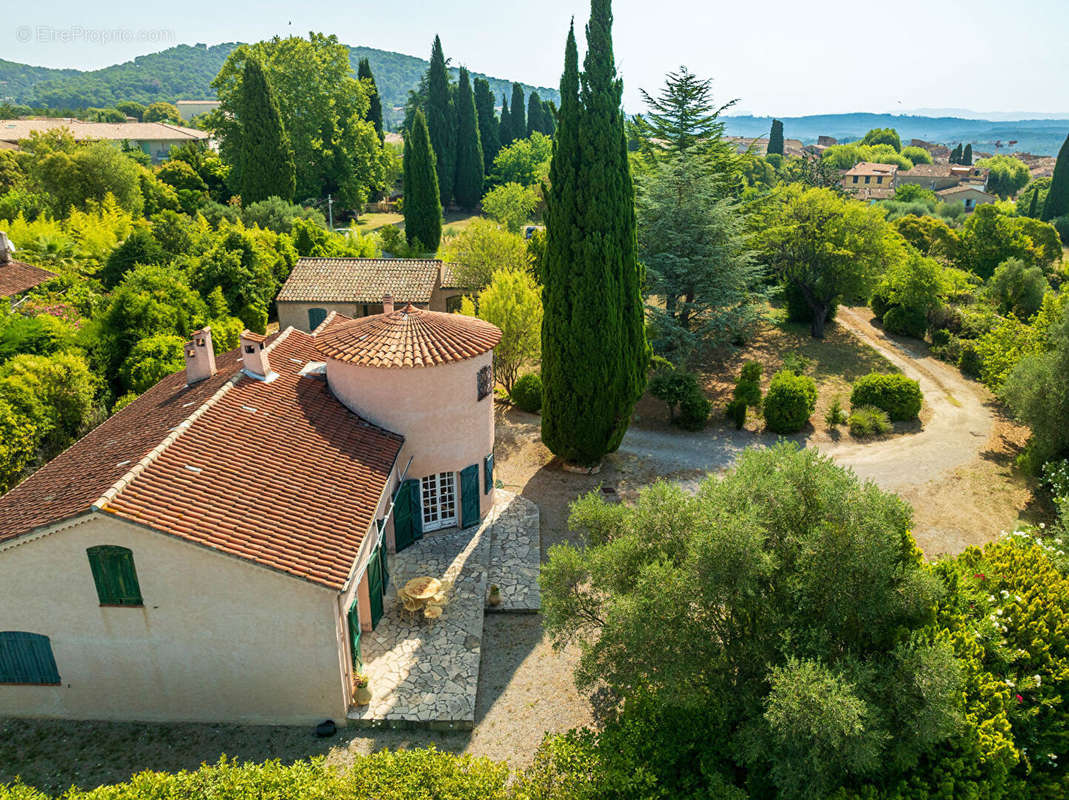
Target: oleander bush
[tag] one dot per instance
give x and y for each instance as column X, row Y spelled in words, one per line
column 527, row 393
column 896, row 394
column 789, row 402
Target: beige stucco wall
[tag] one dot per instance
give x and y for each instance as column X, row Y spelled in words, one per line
column 218, row 638
column 446, row 428
column 295, row 315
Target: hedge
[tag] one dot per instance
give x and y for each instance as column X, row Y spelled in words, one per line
column 790, row 402
column 898, row 395
column 527, row 393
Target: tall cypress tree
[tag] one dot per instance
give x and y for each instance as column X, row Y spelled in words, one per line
column 422, row 207
column 517, row 117
column 534, row 115
column 374, row 112
column 468, row 188
column 441, row 121
column 594, row 351
column 775, row 138
column 549, row 114
column 1033, row 204
column 1057, row 204
column 966, row 156
column 955, row 155
column 265, row 157
column 504, row 128
column 488, row 133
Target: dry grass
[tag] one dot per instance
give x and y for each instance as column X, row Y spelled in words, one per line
column 373, row 221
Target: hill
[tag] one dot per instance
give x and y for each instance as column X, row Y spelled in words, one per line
column 1039, row 136
column 185, row 72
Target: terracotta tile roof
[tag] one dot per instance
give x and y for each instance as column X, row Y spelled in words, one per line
column 964, row 187
column 13, row 130
column 361, row 280
column 409, row 337
column 16, row 277
column 871, row 168
column 279, row 473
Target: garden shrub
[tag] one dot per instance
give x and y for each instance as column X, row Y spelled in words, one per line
column 940, row 337
column 880, row 302
column 896, row 394
column 798, row 309
column 906, row 322
column 694, row 409
column 1061, row 224
column 969, row 359
column 868, row 421
column 527, row 393
column 736, row 412
column 835, row 414
column 1002, row 348
column 790, row 402
column 748, row 386
column 680, row 390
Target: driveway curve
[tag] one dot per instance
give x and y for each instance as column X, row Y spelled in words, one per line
column 959, row 424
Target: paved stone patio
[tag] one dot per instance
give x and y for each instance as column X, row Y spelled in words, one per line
column 424, row 672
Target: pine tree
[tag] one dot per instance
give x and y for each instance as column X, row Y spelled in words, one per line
column 422, row 207
column 534, row 115
column 374, row 113
column 966, row 156
column 265, row 158
column 504, row 128
column 488, row 133
column 441, row 121
column 517, row 117
column 775, row 138
column 1057, row 204
column 594, row 351
column 468, row 187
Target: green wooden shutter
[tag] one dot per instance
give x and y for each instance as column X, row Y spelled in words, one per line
column 114, row 575
column 415, row 501
column 488, row 474
column 316, row 317
column 406, row 515
column 375, row 587
column 384, row 566
column 354, row 635
column 27, row 658
column 469, row 496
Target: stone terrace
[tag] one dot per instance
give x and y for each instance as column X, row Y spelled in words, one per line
column 425, row 673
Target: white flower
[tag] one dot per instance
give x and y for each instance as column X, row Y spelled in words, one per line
column 1038, row 680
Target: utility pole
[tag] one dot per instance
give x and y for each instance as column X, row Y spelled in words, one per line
column 330, row 211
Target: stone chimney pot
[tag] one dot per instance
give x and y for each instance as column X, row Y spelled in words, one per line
column 200, row 357
column 254, row 357
column 387, row 304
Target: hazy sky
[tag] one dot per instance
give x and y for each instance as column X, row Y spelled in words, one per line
column 779, row 57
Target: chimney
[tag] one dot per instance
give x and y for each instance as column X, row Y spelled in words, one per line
column 387, row 304
column 6, row 248
column 254, row 357
column 200, row 358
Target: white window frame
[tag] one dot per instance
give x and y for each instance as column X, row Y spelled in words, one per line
column 440, row 490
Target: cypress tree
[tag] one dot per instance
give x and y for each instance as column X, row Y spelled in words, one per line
column 374, row 112
column 517, row 117
column 488, row 125
column 422, row 207
column 966, row 157
column 775, row 138
column 549, row 114
column 504, row 128
column 468, row 187
column 534, row 115
column 1057, row 204
column 441, row 121
column 1033, row 205
column 955, row 155
column 265, row 157
column 594, row 351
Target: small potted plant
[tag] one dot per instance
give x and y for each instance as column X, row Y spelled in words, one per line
column 495, row 595
column 361, row 692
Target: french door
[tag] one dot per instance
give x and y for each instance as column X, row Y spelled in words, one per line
column 439, row 498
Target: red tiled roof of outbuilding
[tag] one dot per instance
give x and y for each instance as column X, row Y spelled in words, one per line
column 16, row 278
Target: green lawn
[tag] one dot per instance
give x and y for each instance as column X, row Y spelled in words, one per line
column 454, row 222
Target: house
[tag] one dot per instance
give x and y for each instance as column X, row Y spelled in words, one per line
column 944, row 176
column 971, row 195
column 938, row 152
column 354, row 287
column 16, row 277
column 214, row 550
column 870, row 181
column 759, row 146
column 188, row 109
column 154, row 138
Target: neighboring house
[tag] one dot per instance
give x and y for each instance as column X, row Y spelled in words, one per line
column 759, row 146
column 971, row 196
column 154, row 138
column 188, row 109
column 214, row 550
column 355, row 287
column 16, row 277
column 943, row 176
column 870, row 181
column 938, row 152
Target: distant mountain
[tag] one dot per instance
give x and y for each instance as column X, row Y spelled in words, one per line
column 185, row 72
column 1039, row 136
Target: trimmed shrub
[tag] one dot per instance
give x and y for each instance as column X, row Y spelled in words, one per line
column 798, row 309
column 790, row 402
column 736, row 412
column 748, row 386
column 751, row 372
column 898, row 395
column 905, row 322
column 527, row 393
column 679, row 389
column 694, row 410
column 868, row 421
